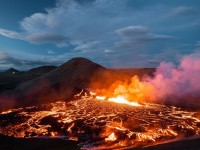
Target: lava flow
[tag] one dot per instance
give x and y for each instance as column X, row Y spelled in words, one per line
column 102, row 123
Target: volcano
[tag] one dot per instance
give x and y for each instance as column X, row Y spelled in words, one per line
column 97, row 108
column 63, row 82
column 60, row 83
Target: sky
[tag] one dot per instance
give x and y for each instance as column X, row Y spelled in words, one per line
column 113, row 33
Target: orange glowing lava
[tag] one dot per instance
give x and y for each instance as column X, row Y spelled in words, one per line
column 89, row 120
column 111, row 137
column 119, row 99
column 127, row 93
column 101, row 97
column 130, row 93
column 94, row 116
column 122, row 100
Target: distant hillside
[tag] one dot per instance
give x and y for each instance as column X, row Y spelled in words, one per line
column 11, row 78
column 12, row 71
column 40, row 70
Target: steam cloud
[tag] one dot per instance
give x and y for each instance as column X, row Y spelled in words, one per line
column 177, row 82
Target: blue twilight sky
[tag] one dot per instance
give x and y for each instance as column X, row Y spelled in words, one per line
column 114, row 33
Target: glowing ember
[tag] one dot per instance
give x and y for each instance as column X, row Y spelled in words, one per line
column 100, row 97
column 73, row 138
column 53, row 133
column 111, row 137
column 92, row 93
column 122, row 100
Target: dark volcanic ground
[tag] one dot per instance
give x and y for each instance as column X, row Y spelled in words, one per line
column 10, row 143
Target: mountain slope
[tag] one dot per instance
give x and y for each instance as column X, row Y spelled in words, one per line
column 58, row 84
column 40, row 70
column 12, row 71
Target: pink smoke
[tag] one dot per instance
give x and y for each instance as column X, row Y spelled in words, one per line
column 177, row 82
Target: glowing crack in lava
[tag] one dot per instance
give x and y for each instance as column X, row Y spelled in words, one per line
column 102, row 124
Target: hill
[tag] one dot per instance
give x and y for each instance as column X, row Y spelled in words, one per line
column 12, row 71
column 11, row 78
column 40, row 70
column 58, row 84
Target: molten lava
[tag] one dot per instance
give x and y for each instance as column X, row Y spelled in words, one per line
column 119, row 99
column 129, row 93
column 102, row 123
column 119, row 117
column 122, row 100
column 124, row 93
column 111, row 137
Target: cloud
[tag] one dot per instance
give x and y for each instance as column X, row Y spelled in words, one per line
column 11, row 34
column 197, row 43
column 45, row 38
column 36, row 38
column 182, row 11
column 91, row 20
column 63, row 44
column 138, row 35
column 71, row 20
column 130, row 30
column 75, row 26
column 85, row 46
column 8, row 60
column 50, row 52
column 108, row 51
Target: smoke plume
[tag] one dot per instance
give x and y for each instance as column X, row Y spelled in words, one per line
column 177, row 82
